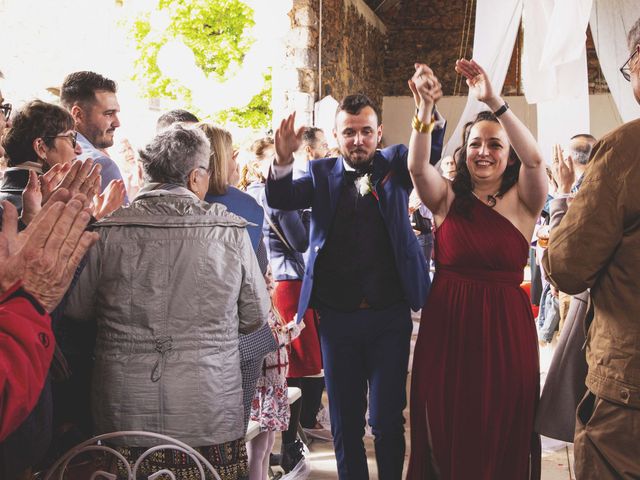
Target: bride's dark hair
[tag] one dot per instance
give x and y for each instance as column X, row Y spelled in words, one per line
column 462, row 183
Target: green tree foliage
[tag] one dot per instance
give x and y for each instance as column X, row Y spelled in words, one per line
column 256, row 114
column 214, row 30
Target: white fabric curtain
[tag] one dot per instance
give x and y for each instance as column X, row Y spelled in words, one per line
column 610, row 22
column 325, row 118
column 493, row 40
column 554, row 65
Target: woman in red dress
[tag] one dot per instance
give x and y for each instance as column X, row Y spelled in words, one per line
column 475, row 373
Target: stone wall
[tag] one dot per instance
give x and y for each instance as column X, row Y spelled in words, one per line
column 437, row 33
column 353, row 50
column 295, row 79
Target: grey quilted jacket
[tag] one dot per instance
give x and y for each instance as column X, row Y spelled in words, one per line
column 171, row 283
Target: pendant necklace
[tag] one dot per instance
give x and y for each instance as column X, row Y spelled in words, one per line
column 491, row 199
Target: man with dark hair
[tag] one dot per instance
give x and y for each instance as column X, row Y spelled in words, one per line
column 174, row 116
column 596, row 247
column 314, row 146
column 364, row 273
column 91, row 100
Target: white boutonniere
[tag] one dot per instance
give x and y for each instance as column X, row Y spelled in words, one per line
column 364, row 185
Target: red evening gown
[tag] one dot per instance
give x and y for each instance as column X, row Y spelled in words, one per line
column 475, row 368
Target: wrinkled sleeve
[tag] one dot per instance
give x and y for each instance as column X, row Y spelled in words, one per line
column 26, row 349
column 557, row 211
column 253, row 302
column 81, row 302
column 586, row 238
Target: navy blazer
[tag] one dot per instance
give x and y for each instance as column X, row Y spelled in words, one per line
column 320, row 188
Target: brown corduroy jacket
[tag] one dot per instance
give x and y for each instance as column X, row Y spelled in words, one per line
column 597, row 246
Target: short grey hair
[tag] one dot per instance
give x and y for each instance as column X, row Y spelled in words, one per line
column 581, row 153
column 633, row 37
column 173, row 154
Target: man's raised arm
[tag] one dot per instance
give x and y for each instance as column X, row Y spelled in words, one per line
column 282, row 192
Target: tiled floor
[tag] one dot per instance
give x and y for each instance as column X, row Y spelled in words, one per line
column 555, row 457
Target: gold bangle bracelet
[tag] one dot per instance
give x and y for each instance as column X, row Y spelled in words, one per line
column 422, row 127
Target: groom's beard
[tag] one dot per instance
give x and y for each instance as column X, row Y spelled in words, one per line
column 358, row 157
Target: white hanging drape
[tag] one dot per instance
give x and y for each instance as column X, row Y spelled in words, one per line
column 493, row 40
column 325, row 118
column 610, row 22
column 554, row 67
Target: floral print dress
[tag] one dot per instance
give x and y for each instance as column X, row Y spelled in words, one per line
column 270, row 405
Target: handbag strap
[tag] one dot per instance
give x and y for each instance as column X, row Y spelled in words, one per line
column 280, row 235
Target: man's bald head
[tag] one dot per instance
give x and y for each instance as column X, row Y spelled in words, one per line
column 580, row 147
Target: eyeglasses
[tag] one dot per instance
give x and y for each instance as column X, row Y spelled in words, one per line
column 73, row 137
column 208, row 170
column 6, row 109
column 625, row 70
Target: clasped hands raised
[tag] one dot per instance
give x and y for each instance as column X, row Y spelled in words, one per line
column 426, row 88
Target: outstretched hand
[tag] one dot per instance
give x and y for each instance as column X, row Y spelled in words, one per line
column 46, row 254
column 287, row 140
column 426, row 88
column 477, row 80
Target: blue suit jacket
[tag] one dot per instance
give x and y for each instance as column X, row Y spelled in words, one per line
column 320, row 188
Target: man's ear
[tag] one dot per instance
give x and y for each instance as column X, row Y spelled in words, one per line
column 379, row 133
column 335, row 134
column 77, row 113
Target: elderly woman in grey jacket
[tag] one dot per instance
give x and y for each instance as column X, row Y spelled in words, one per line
column 171, row 283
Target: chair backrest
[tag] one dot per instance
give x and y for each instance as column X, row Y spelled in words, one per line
column 96, row 444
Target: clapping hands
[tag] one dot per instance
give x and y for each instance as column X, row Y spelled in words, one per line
column 478, row 81
column 110, row 200
column 78, row 177
column 46, row 254
column 562, row 169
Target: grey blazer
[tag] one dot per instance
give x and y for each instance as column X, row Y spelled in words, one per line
column 565, row 383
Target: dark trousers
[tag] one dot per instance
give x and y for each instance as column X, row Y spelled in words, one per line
column 367, row 349
column 312, row 388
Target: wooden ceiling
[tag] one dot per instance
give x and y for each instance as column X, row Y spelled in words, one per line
column 380, row 7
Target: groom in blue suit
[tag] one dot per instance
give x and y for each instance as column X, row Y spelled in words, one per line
column 364, row 274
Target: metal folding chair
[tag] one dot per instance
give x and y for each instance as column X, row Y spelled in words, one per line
column 96, row 444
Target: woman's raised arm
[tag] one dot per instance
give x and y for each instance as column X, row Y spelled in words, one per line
column 434, row 190
column 532, row 183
